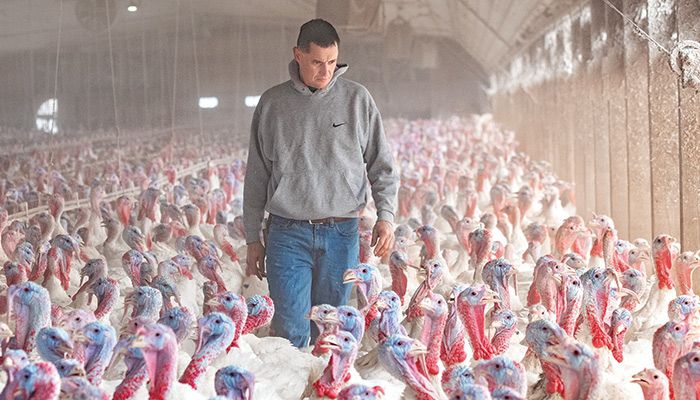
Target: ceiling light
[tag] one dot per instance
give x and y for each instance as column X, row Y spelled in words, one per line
column 251, row 101
column 208, row 102
column 133, row 5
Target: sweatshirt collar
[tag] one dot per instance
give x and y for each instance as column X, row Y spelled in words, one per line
column 301, row 87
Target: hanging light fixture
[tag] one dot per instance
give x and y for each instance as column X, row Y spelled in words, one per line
column 133, row 5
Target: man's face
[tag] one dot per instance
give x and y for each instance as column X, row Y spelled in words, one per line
column 316, row 66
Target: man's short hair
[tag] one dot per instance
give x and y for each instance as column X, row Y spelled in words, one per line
column 317, row 31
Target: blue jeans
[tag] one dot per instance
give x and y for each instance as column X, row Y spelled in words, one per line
column 305, row 266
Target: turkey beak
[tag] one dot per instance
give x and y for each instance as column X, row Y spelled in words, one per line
column 65, row 348
column 418, row 349
column 644, row 255
column 138, row 343
column 639, row 378
column 18, row 393
column 5, row 331
column 312, row 314
column 524, row 342
column 415, row 244
column 427, row 305
column 555, row 355
column 619, row 329
column 612, row 275
column 569, row 271
column 205, row 331
column 557, row 278
column 626, row 292
column 332, row 318
column 402, row 265
column 214, row 302
column 491, row 297
column 381, row 304
column 79, row 337
column 330, row 342
column 78, row 371
column 124, row 330
column 350, row 276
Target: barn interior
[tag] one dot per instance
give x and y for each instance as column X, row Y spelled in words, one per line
column 604, row 93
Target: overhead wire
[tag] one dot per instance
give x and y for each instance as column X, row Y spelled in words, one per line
column 52, row 126
column 174, row 97
column 639, row 28
column 196, row 73
column 114, row 88
column 684, row 58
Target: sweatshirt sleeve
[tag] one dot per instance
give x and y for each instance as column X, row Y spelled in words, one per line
column 381, row 171
column 256, row 180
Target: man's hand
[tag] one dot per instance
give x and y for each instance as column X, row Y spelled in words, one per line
column 382, row 237
column 255, row 260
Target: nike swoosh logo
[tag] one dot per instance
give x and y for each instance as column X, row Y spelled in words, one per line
column 337, row 125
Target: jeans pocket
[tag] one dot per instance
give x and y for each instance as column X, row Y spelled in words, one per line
column 347, row 228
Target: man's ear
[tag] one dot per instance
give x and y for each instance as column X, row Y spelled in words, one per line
column 297, row 54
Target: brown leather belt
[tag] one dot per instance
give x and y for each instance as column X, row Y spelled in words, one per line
column 329, row 220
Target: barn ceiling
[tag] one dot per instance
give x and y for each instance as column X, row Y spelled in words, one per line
column 491, row 31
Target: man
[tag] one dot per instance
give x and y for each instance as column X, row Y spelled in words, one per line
column 310, row 140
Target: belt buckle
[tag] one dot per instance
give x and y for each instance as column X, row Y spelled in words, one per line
column 322, row 221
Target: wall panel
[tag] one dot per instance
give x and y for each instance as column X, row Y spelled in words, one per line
column 599, row 107
column 689, row 28
column 586, row 116
column 578, row 89
column 637, row 106
column 620, row 125
column 614, row 95
column 663, row 123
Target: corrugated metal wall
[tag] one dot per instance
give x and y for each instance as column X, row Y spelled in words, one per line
column 611, row 116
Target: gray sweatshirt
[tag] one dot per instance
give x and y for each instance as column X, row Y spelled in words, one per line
column 311, row 153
